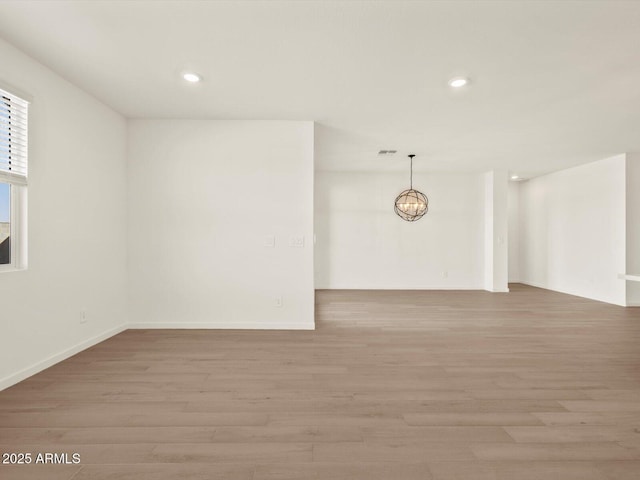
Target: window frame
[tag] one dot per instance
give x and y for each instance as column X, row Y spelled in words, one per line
column 17, row 197
column 16, row 231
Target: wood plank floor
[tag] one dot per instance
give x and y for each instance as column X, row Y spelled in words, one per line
column 530, row 385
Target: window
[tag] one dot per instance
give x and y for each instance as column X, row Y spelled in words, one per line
column 13, row 181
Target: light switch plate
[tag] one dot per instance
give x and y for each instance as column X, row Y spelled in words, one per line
column 270, row 241
column 296, row 241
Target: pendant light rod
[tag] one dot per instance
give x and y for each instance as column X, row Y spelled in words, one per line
column 411, row 170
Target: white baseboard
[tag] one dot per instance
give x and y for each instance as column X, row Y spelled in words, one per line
column 538, row 285
column 498, row 290
column 221, row 326
column 401, row 287
column 25, row 373
column 633, row 304
column 566, row 292
column 6, row 382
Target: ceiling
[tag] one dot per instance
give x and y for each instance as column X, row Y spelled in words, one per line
column 553, row 84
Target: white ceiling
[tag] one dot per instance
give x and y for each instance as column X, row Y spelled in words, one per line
column 554, row 84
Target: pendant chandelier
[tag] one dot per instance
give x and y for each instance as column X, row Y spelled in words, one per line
column 411, row 205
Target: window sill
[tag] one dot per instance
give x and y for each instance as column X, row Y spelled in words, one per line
column 7, row 269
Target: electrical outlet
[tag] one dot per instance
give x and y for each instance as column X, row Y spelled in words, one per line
column 445, row 274
column 296, row 241
column 83, row 316
column 277, row 302
column 270, row 241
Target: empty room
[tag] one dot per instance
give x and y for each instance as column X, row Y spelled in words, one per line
column 329, row 240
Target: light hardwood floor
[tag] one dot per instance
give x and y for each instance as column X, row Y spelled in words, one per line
column 530, row 385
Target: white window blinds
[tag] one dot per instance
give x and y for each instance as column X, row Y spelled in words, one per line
column 13, row 138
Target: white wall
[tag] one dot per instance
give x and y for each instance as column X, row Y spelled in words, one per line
column 572, row 230
column 76, row 225
column 514, row 232
column 203, row 198
column 633, row 226
column 363, row 244
column 496, row 260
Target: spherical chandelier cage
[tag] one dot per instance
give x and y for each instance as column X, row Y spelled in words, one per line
column 411, row 205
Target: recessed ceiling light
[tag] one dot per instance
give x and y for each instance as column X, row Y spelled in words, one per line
column 191, row 77
column 458, row 82
column 514, row 177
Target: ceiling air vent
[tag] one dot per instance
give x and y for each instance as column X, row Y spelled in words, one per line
column 387, row 152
